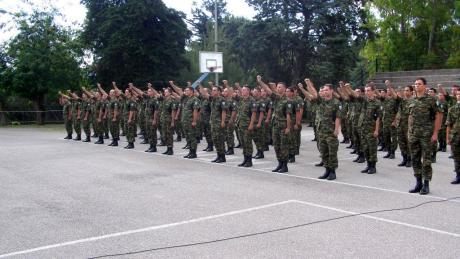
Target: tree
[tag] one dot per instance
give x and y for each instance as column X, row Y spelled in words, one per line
column 135, row 41
column 44, row 58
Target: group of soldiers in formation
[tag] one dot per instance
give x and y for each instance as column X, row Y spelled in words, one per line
column 419, row 120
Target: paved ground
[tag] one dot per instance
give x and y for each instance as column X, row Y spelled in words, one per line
column 67, row 199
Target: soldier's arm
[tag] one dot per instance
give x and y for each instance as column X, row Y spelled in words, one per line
column 252, row 121
column 173, row 114
column 437, row 126
column 337, row 126
column 176, row 88
column 288, row 123
column 261, row 118
column 101, row 89
column 377, row 127
column 155, row 117
column 311, row 89
column 264, row 85
column 269, row 115
column 222, row 118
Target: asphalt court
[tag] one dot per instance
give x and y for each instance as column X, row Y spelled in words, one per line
column 65, row 199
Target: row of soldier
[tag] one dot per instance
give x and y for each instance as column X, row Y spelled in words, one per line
column 272, row 114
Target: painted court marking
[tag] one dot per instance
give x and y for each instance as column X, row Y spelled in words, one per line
column 264, row 170
column 141, row 230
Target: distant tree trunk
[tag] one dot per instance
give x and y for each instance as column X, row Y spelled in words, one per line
column 431, row 37
column 39, row 106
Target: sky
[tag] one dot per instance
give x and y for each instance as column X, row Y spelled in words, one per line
column 74, row 13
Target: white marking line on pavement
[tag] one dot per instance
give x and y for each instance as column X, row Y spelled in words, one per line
column 230, row 165
column 380, row 219
column 147, row 229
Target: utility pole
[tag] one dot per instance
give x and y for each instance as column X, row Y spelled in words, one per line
column 215, row 38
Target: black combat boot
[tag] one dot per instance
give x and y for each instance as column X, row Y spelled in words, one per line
column 382, row 148
column 244, row 161
column 209, row 148
column 319, row 164
column 345, row 141
column 162, row 143
column 291, row 159
column 326, row 174
column 387, row 155
column 130, row 145
column 354, row 151
column 284, row 167
column 221, row 158
column 372, row 169
column 248, row 161
column 418, row 185
column 187, row 146
column 106, row 136
column 332, row 175
column 230, row 151
column 192, row 154
column 367, row 168
column 145, row 141
column 216, row 159
column 357, row 158
column 433, row 157
column 87, row 139
column 361, row 159
column 189, row 152
column 425, row 188
column 456, row 180
column 94, row 135
column 404, row 161
column 280, row 164
column 350, row 146
column 69, row 136
column 169, row 151
column 179, row 138
column 238, row 146
column 392, row 155
column 78, row 137
column 123, row 134
column 111, row 143
column 259, row 155
column 115, row 142
column 149, row 149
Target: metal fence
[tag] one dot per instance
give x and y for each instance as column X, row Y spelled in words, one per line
column 30, row 117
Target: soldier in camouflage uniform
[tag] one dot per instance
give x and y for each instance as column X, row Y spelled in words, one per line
column 281, row 123
column 267, row 126
column 442, row 103
column 205, row 117
column 230, row 120
column 258, row 132
column 114, row 117
column 67, row 115
column 190, row 120
column 219, row 107
column 76, row 113
column 453, row 135
column 329, row 114
column 424, row 123
column 245, row 121
column 105, row 112
column 402, row 119
column 389, row 130
column 86, row 108
column 370, row 124
column 167, row 115
column 298, row 107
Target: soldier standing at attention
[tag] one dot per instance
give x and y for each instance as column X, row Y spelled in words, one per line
column 132, row 117
column 114, row 117
column 245, row 121
column 205, row 117
column 168, row 113
column 281, row 123
column 267, row 125
column 453, row 135
column 298, row 106
column 76, row 112
column 218, row 116
column 402, row 119
column 105, row 111
column 66, row 114
column 370, row 126
column 329, row 113
column 389, row 131
column 258, row 135
column 86, row 107
column 190, row 120
column 424, row 123
column 232, row 102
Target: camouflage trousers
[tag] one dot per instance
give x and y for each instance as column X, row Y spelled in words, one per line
column 131, row 131
column 268, row 134
column 246, row 139
column 280, row 141
column 294, row 141
column 105, row 126
column 369, row 144
column 191, row 134
column 455, row 147
column 421, row 149
column 230, row 137
column 402, row 139
column 151, row 132
column 356, row 135
column 345, row 129
column 259, row 138
column 218, row 138
column 167, row 132
column 390, row 137
column 87, row 127
column 206, row 130
column 115, row 129
column 77, row 125
column 179, row 130
column 68, row 126
column 141, row 119
column 328, row 146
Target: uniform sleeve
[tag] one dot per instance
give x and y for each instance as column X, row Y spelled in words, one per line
column 299, row 105
column 196, row 104
column 289, row 107
column 449, row 120
column 224, row 105
column 339, row 110
column 254, row 107
column 262, row 107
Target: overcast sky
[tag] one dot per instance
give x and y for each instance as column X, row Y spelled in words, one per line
column 74, row 13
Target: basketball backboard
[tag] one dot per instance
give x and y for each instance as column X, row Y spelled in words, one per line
column 211, row 62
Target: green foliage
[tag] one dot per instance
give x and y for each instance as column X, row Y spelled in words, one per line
column 135, row 41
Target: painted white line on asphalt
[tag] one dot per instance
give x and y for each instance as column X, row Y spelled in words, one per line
column 230, row 165
column 380, row 219
column 141, row 230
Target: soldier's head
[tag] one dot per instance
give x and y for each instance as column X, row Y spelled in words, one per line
column 432, row 92
column 112, row 93
column 263, row 93
column 256, row 92
column 290, row 92
column 225, row 92
column 150, row 92
column 211, row 84
column 189, row 91
column 127, row 92
column 215, row 91
column 369, row 91
column 281, row 88
column 458, row 96
column 245, row 91
column 408, row 91
column 327, row 91
column 454, row 90
column 167, row 92
column 420, row 86
column 383, row 93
